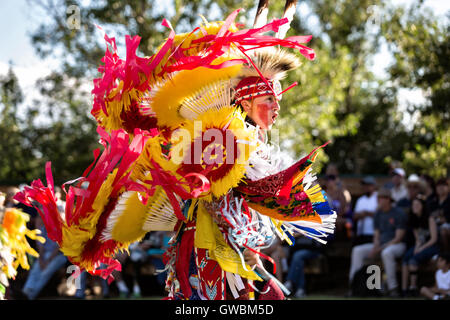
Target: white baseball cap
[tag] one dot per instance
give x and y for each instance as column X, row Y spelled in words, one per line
column 413, row 178
column 399, row 171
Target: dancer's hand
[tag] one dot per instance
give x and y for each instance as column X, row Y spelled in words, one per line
column 251, row 258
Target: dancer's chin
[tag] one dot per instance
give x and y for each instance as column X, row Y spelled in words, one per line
column 272, row 123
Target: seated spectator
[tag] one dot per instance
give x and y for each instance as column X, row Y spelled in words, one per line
column 49, row 262
column 429, row 191
column 441, row 210
column 333, row 170
column 441, row 288
column 338, row 203
column 398, row 190
column 390, row 226
column 304, row 249
column 365, row 208
column 425, row 237
column 415, row 186
column 137, row 258
column 392, row 166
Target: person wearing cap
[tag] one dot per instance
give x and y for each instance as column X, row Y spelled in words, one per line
column 364, row 210
column 415, row 186
column 398, row 190
column 389, row 231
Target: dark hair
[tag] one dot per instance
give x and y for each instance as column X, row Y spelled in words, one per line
column 442, row 181
column 422, row 199
column 445, row 256
column 430, row 181
column 417, row 221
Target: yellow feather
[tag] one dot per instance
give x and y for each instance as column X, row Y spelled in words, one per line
column 172, row 93
column 128, row 227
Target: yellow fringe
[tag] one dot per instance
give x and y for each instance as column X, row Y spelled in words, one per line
column 191, row 210
column 314, row 194
column 13, row 233
column 278, row 224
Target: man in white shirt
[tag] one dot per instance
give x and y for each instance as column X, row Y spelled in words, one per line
column 390, row 227
column 364, row 210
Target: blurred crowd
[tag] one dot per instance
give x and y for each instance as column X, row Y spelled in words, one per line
column 400, row 225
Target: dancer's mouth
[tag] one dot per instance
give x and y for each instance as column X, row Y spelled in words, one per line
column 274, row 117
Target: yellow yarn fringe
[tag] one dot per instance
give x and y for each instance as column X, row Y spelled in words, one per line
column 13, row 233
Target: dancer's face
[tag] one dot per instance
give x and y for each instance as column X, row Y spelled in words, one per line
column 262, row 110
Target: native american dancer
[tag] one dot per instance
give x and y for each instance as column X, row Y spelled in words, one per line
column 185, row 151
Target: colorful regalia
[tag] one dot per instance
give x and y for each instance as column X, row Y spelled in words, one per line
column 14, row 246
column 179, row 155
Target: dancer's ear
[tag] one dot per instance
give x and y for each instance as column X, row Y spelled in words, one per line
column 246, row 105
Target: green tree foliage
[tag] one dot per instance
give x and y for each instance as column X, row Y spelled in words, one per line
column 13, row 162
column 339, row 97
column 62, row 135
column 421, row 46
column 361, row 117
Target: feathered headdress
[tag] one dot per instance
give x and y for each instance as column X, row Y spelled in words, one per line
column 266, row 66
column 273, row 63
column 262, row 75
